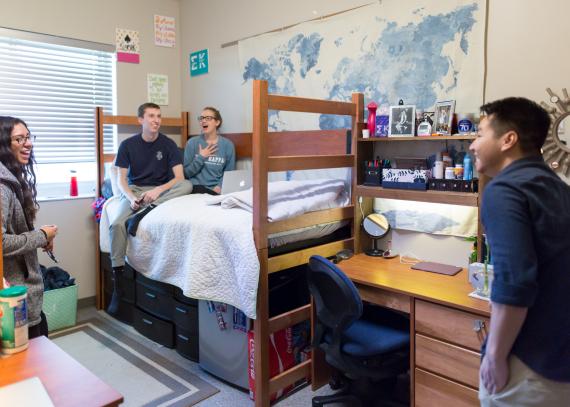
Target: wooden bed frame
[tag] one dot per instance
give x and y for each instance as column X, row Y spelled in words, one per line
column 277, row 151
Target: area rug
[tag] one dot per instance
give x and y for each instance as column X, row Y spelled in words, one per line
column 141, row 375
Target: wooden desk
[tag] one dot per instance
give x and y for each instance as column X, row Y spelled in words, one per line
column 446, row 326
column 67, row 382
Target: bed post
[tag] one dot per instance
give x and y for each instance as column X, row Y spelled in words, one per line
column 184, row 128
column 260, row 169
column 357, row 120
column 99, row 300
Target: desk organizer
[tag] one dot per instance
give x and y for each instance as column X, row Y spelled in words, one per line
column 372, row 175
column 453, row 185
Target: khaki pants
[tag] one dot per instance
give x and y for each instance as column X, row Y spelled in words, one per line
column 118, row 229
column 526, row 388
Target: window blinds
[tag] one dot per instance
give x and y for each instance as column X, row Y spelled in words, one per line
column 55, row 88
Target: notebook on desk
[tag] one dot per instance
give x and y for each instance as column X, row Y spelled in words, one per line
column 437, row 268
column 25, row 393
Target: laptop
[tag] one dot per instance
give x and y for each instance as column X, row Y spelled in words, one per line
column 235, row 181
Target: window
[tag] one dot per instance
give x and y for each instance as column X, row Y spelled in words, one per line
column 54, row 85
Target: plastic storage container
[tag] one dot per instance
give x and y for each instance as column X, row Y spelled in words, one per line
column 60, row 307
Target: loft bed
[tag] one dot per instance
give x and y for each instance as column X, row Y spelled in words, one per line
column 273, row 152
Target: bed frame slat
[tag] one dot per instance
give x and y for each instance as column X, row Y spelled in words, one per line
column 289, row 318
column 312, row 218
column 302, row 256
column 291, row 376
column 305, row 105
column 310, row 162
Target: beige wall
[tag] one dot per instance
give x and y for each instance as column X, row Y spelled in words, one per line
column 96, row 21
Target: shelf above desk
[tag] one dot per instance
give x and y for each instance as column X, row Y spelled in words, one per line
column 445, row 197
column 420, row 138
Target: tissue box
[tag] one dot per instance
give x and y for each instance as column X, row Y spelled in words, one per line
column 405, row 179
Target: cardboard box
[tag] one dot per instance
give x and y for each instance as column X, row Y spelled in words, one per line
column 287, row 348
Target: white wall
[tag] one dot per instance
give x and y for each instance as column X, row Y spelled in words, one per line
column 96, row 21
column 526, row 53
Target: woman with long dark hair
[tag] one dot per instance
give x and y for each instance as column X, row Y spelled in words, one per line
column 20, row 240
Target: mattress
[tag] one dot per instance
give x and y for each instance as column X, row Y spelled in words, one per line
column 275, row 240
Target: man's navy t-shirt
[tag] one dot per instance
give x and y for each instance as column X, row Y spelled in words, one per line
column 149, row 164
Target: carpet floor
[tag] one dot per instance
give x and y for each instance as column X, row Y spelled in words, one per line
column 122, row 360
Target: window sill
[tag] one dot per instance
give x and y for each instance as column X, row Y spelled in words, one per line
column 64, row 198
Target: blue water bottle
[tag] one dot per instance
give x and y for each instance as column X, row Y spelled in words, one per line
column 467, row 168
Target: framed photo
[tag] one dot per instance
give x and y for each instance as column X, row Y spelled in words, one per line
column 402, row 121
column 444, row 117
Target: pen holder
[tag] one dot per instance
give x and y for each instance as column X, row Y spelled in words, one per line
column 372, row 175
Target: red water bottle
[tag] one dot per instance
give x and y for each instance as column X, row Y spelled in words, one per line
column 372, row 118
column 73, row 184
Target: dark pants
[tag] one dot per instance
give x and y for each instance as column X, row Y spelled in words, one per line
column 201, row 189
column 40, row 329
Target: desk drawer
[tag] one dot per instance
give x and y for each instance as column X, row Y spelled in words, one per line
column 435, row 391
column 451, row 325
column 448, row 360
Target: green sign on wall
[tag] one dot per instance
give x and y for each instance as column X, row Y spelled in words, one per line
column 199, row 62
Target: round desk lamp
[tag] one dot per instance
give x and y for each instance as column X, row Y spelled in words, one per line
column 376, row 227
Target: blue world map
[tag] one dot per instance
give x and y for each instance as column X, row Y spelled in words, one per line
column 406, row 61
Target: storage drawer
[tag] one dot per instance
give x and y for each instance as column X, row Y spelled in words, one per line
column 156, row 285
column 185, row 316
column 178, row 295
column 187, row 343
column 460, row 364
column 435, row 391
column 154, row 328
column 154, row 301
column 451, row 325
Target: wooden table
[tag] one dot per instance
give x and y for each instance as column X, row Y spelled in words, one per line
column 67, row 382
column 446, row 326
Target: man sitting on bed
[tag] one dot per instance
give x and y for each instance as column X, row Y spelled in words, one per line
column 150, row 173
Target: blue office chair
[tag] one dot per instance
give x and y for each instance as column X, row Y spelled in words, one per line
column 367, row 347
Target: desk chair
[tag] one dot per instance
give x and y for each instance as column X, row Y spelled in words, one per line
column 366, row 347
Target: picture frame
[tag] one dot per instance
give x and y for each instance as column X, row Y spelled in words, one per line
column 402, row 121
column 444, row 111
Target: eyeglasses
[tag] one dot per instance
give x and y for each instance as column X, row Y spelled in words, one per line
column 24, row 140
column 205, row 118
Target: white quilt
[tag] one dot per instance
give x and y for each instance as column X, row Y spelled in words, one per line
column 208, row 250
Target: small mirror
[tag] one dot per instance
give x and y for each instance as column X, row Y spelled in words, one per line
column 376, row 226
column 563, row 132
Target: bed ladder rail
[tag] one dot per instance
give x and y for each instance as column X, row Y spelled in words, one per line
column 306, row 105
